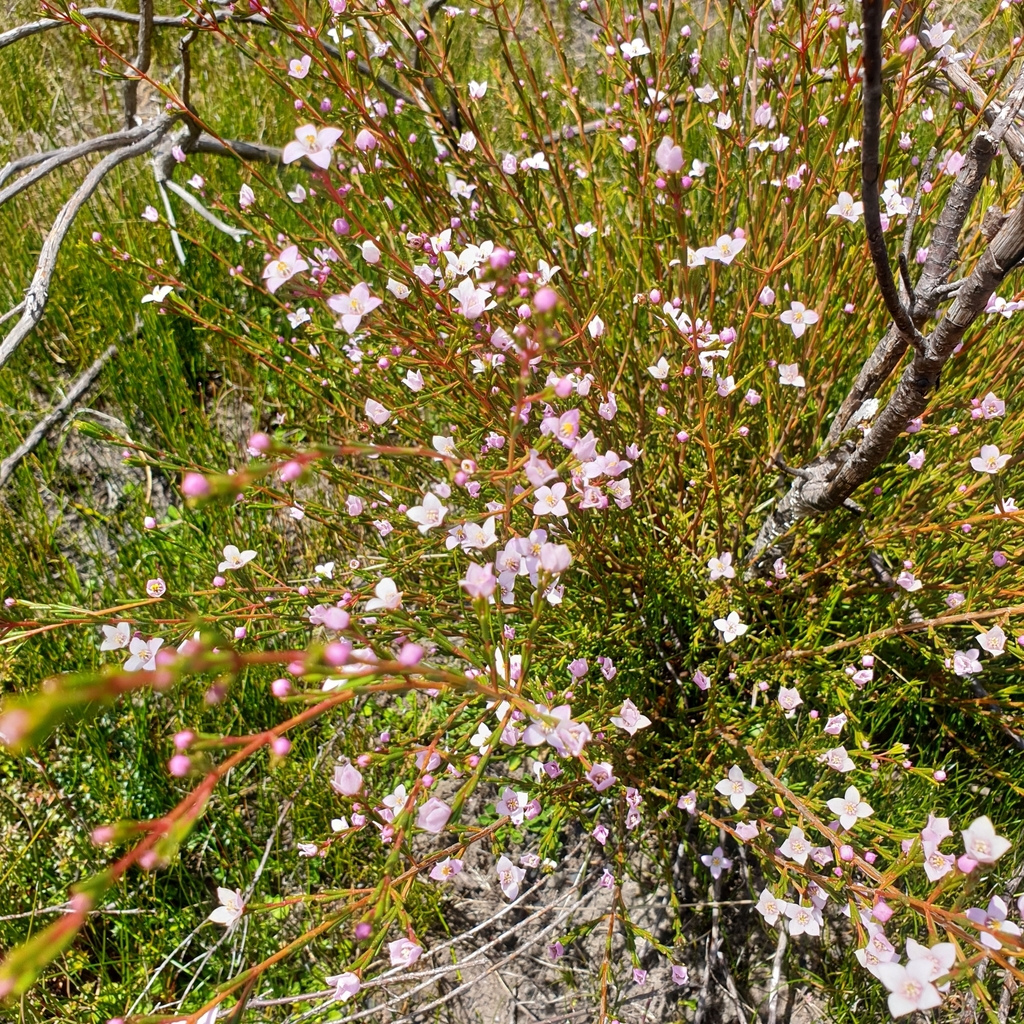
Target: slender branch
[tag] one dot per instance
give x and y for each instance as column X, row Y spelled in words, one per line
column 254, row 151
column 236, row 234
column 977, row 97
column 52, row 418
column 143, row 57
column 870, row 170
column 50, row 160
column 39, row 289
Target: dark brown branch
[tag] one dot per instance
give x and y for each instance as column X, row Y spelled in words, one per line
column 52, row 418
column 39, row 290
column 870, row 170
column 45, row 163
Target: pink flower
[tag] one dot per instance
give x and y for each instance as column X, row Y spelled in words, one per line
column 725, row 249
column 716, row 862
column 299, row 67
column 834, row 726
column 720, row 566
column 315, row 145
column 680, row 975
column 847, row 208
column 345, row 985
column 668, row 156
column 916, row 459
column 353, row 306
column 375, row 412
column 798, row 316
column 600, row 777
column 509, row 877
column 630, row 719
column 347, row 780
column 993, row 641
column 479, row 581
column 284, row 268
column 513, row 804
column 796, row 847
column 404, row 952
column 434, row 815
column 966, row 663
column 445, row 869
column 850, row 808
column 803, row 920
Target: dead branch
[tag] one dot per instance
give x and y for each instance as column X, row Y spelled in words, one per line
column 832, row 477
column 50, row 160
column 141, row 63
column 38, row 291
column 870, row 170
column 52, row 418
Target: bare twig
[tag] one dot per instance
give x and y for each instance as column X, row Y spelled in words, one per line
column 143, row 56
column 870, row 169
column 776, row 984
column 52, row 418
column 54, row 158
column 236, row 234
column 39, row 289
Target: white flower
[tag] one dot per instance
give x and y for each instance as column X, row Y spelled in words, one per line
column 770, row 907
column 705, row 93
column 724, row 250
column 389, row 597
column 660, row 370
column 803, row 920
column 637, row 48
column 235, row 559
column 731, row 627
column 299, row 67
column 477, row 90
column 796, row 847
column 158, row 294
column 429, row 514
column 966, row 663
column 850, row 808
column 721, row 567
column 736, row 787
column 398, row 289
column 789, row 374
column 413, row 380
column 838, row 759
column 723, row 121
column 116, row 637
column 299, row 317
column 143, row 654
column 981, row 842
column 585, row 230
column 509, row 877
column 630, row 719
column 231, row 907
column 326, row 570
column 596, row 327
column 908, row 581
column 315, row 145
column 846, row 208
column 467, row 142
column 988, row 460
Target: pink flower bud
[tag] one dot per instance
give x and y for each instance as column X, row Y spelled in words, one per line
column 410, row 655
column 545, row 300
column 240, row 632
column 149, row 523
column 881, row 912
column 281, row 746
column 195, row 485
column 290, row 471
column 179, row 765
column 280, row 688
column 846, row 852
column 259, row 442
column 338, row 652
column 184, row 739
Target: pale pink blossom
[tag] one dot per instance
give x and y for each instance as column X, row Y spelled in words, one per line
column 313, row 144
column 789, row 374
column 981, row 842
column 284, row 268
column 796, row 847
column 231, row 907
column 716, row 862
column 345, row 985
column 509, row 877
column 909, row 987
column 850, row 808
column 668, row 156
column 404, row 952
column 630, row 719
column 993, row 641
column 353, row 306
column 299, row 67
column 798, row 317
column 736, row 787
column 847, row 208
column 988, row 460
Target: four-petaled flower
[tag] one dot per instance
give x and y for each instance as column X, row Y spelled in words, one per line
column 909, row 986
column 429, row 514
column 345, row 985
column 796, row 847
column 847, row 208
column 731, row 627
column 720, row 567
column 736, row 787
column 988, row 460
column 509, row 877
column 724, row 250
column 630, row 719
column 637, row 48
column 850, row 808
column 235, row 559
column 353, row 306
column 716, row 862
column 315, row 145
column 284, row 268
column 404, row 952
column 550, row 501
column 231, row 907
column 143, row 654
column 789, row 373
column 513, row 804
column 798, row 316
column 116, row 637
column 389, row 597
column 981, row 842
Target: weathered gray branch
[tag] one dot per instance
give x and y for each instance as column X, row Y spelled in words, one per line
column 39, row 289
column 52, row 418
column 236, row 234
column 45, row 163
